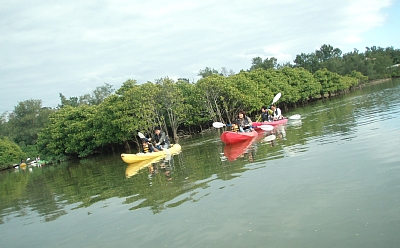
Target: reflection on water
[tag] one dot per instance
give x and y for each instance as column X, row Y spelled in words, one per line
column 236, row 150
column 331, row 177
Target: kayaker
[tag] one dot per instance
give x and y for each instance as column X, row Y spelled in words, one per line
column 147, row 146
column 160, row 139
column 266, row 114
column 244, row 122
column 277, row 113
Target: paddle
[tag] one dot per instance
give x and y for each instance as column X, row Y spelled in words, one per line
column 220, row 124
column 269, row 138
column 276, row 98
column 141, row 135
column 295, row 117
column 266, row 127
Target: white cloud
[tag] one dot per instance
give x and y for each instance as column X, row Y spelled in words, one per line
column 360, row 17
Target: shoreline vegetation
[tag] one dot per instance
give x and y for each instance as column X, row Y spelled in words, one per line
column 108, row 121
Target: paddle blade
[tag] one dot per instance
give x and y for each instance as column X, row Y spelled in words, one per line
column 295, row 117
column 218, row 124
column 141, row 135
column 267, row 127
column 276, row 98
column 269, row 138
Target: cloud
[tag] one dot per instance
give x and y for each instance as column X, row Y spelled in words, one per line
column 72, row 47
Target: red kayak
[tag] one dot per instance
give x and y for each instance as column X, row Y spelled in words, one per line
column 233, row 151
column 229, row 137
column 272, row 123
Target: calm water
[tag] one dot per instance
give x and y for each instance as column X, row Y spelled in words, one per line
column 329, row 180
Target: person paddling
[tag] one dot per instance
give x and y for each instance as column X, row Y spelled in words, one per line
column 160, row 139
column 244, row 122
column 147, row 146
column 266, row 114
column 277, row 113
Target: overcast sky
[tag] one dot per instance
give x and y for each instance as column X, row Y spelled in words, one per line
column 72, row 47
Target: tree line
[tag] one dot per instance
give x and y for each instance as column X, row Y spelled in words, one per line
column 108, row 120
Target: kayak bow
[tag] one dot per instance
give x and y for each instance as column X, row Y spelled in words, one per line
column 229, row 137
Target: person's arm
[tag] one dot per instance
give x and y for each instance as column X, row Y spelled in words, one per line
column 237, row 122
column 153, row 138
column 250, row 122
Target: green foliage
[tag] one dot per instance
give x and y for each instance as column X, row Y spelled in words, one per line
column 208, row 72
column 69, row 133
column 222, row 96
column 10, row 153
column 307, row 61
column 100, row 94
column 120, row 116
column 379, row 60
column 4, row 125
column 358, row 76
column 27, row 120
column 328, row 80
column 305, row 87
column 97, row 97
column 30, row 151
column 259, row 63
column 375, row 63
column 327, row 52
column 241, row 95
column 127, row 85
column 332, row 82
column 172, row 102
column 194, row 105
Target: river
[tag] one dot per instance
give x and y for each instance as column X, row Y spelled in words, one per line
column 328, row 180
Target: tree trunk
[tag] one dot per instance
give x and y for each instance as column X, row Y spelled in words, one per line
column 127, row 147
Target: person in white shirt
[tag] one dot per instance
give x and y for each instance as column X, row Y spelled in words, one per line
column 277, row 113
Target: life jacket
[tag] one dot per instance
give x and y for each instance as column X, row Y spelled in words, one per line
column 276, row 114
column 145, row 148
column 235, row 128
column 265, row 116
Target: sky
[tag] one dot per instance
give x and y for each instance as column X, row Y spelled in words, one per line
column 71, row 47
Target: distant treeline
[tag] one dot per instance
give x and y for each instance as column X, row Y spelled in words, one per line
column 109, row 119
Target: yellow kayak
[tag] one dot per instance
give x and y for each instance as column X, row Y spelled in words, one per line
column 22, row 166
column 133, row 158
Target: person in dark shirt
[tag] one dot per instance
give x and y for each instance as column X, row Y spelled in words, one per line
column 266, row 114
column 160, row 139
column 244, row 122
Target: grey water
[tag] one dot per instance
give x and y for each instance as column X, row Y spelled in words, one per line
column 330, row 179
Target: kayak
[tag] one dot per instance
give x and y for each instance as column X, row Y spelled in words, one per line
column 272, row 123
column 134, row 168
column 229, row 137
column 23, row 166
column 132, row 158
column 233, row 151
